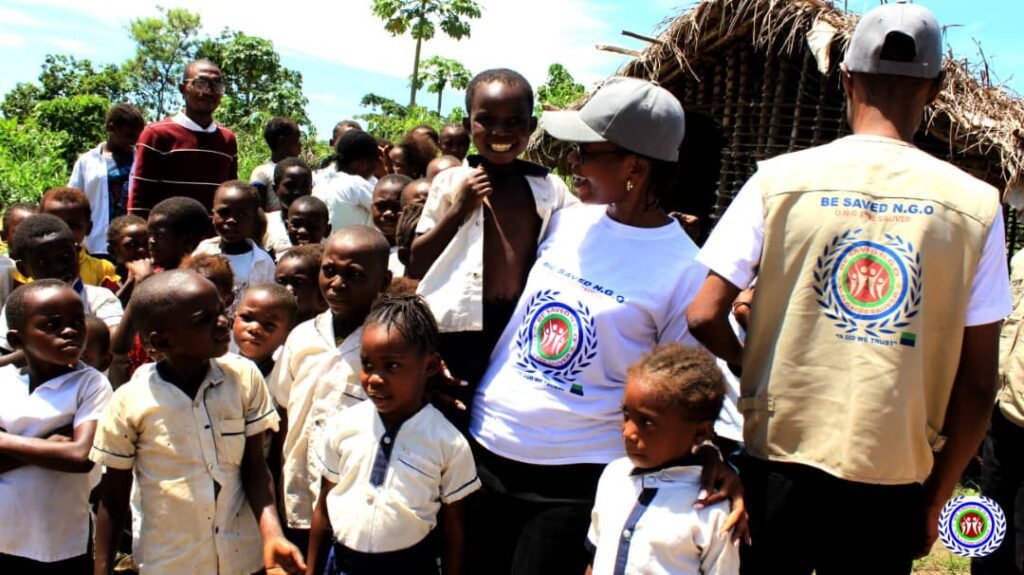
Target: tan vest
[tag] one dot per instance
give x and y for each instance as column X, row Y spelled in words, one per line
column 1011, row 349
column 870, row 249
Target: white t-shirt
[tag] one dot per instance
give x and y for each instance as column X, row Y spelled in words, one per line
column 48, row 511
column 733, row 251
column 250, row 268
column 730, row 421
column 348, row 198
column 599, row 296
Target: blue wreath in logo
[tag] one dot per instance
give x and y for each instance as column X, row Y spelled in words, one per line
column 972, row 525
column 566, row 369
column 897, row 264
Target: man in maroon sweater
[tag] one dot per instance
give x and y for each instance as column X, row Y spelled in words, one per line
column 187, row 154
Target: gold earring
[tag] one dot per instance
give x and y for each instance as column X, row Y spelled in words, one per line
column 629, row 186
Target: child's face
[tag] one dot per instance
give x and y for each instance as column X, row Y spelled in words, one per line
column 54, row 330
column 394, row 372
column 399, row 164
column 74, row 215
column 655, row 434
column 51, row 258
column 290, row 145
column 132, row 244
column 95, row 354
column 165, row 246
column 351, row 277
column 455, row 142
column 295, row 183
column 387, row 205
column 122, row 138
column 415, row 193
column 261, row 325
column 306, row 225
column 13, row 221
column 234, row 214
column 302, row 280
column 501, row 121
column 197, row 329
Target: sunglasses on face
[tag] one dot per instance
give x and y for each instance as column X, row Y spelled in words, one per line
column 584, row 154
column 206, row 85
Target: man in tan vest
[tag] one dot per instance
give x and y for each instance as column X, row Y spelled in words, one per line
column 869, row 369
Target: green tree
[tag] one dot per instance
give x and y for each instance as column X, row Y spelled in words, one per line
column 418, row 17
column 79, row 118
column 21, row 101
column 559, row 90
column 163, row 47
column 64, row 76
column 30, row 160
column 438, row 73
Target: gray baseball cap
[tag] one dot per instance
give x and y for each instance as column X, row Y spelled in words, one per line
column 910, row 25
column 634, row 114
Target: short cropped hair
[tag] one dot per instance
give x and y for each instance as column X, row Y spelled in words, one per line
column 72, row 196
column 35, row 228
column 419, row 151
column 15, row 306
column 505, row 76
column 309, row 255
column 281, row 295
column 119, row 224
column 428, row 131
column 343, row 126
column 286, row 164
column 684, row 378
column 410, row 316
column 185, row 217
column 18, row 207
column 244, row 186
column 124, row 116
column 156, row 296
column 352, row 146
column 400, row 179
column 213, row 267
column 277, row 128
column 313, row 203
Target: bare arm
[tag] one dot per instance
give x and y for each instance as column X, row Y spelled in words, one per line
column 110, row 515
column 967, row 416
column 69, row 456
column 708, row 318
column 320, row 531
column 428, row 247
column 453, row 533
column 259, row 490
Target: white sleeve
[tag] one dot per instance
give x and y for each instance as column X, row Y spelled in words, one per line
column 733, row 250
column 720, row 556
column 94, row 395
column 674, row 326
column 77, row 179
column 105, row 305
column 279, row 383
column 459, row 478
column 990, row 293
column 438, row 200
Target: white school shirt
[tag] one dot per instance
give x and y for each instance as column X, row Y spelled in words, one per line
column 600, row 295
column 48, row 511
column 733, row 251
column 644, row 523
column 276, row 240
column 349, row 199
column 730, row 421
column 313, row 380
column 395, row 265
column 390, row 484
column 186, row 455
column 250, row 268
column 90, row 176
column 98, row 301
column 454, row 284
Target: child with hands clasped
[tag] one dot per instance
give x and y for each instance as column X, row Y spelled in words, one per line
column 48, row 414
column 645, row 517
column 393, row 467
column 191, row 428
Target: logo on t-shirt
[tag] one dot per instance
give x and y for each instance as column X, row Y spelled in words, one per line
column 556, row 341
column 972, row 525
column 870, row 290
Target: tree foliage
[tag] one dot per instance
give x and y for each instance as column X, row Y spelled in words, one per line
column 163, row 47
column 31, row 160
column 80, row 118
column 418, row 17
column 390, row 120
column 559, row 90
column 63, row 76
column 439, row 73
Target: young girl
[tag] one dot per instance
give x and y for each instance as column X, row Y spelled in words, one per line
column 393, row 465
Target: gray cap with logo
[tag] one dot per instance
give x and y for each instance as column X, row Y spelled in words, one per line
column 908, row 24
column 634, row 114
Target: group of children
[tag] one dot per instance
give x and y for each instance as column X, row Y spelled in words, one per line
column 269, row 400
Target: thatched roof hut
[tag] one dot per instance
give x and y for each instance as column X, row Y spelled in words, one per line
column 760, row 78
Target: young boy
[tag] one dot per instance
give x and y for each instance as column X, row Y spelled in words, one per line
column 393, row 467
column 292, row 180
column 387, row 206
column 644, row 519
column 308, row 221
column 103, row 172
column 299, row 271
column 416, row 192
column 235, row 209
column 440, row 164
column 455, row 141
column 72, row 206
column 191, row 427
column 285, row 141
column 97, row 344
column 474, row 268
column 176, row 227
column 127, row 241
column 317, row 374
column 265, row 316
column 48, row 414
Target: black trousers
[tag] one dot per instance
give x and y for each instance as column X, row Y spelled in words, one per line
column 1002, row 479
column 803, row 520
column 420, row 559
column 81, row 565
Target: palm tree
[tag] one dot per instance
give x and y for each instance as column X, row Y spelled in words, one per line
column 438, row 73
column 418, row 17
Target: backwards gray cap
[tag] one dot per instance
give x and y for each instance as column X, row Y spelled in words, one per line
column 637, row 115
column 880, row 26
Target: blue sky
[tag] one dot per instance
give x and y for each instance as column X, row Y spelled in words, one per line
column 343, row 52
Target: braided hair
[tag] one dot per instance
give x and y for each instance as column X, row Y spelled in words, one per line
column 411, row 316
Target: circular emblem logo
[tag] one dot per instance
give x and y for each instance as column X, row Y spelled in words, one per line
column 869, row 280
column 555, row 335
column 972, row 525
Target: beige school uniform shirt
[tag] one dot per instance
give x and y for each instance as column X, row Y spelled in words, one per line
column 314, row 379
column 186, row 455
column 1011, row 351
column 454, row 284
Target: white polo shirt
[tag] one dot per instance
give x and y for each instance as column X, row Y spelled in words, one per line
column 313, row 380
column 454, row 284
column 186, row 455
column 644, row 523
column 48, row 511
column 349, row 199
column 390, row 483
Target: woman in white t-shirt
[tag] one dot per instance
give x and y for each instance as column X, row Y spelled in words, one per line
column 610, row 281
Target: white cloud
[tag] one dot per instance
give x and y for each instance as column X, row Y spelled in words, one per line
column 76, row 47
column 19, row 19
column 11, row 40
